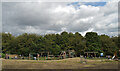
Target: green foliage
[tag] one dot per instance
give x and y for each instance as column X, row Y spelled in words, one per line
column 55, row 43
column 93, row 42
column 6, row 40
column 108, row 45
column 3, row 55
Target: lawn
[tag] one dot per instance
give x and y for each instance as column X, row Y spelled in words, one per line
column 69, row 63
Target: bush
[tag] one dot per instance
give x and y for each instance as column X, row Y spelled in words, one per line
column 2, row 55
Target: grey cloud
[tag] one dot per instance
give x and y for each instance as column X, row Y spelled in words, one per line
column 42, row 18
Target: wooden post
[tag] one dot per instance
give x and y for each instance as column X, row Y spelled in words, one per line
column 48, row 53
column 41, row 53
column 87, row 54
column 95, row 55
column 64, row 55
column 45, row 57
column 38, row 56
column 29, row 56
column 6, row 56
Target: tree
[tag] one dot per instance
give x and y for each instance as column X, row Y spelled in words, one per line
column 64, row 40
column 93, row 42
column 108, row 46
column 6, row 39
column 55, row 43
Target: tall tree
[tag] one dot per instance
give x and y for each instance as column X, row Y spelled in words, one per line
column 93, row 42
column 108, row 46
column 6, row 39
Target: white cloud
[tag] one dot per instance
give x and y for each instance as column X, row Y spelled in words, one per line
column 42, row 18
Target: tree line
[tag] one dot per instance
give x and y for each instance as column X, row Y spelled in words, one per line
column 55, row 43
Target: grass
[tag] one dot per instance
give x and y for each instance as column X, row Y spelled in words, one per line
column 69, row 63
column 46, row 58
column 97, row 58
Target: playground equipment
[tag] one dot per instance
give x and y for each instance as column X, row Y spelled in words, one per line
column 67, row 54
column 90, row 54
column 83, row 59
column 50, row 57
column 63, row 55
column 115, row 56
column 12, row 56
column 34, row 56
column 118, row 54
column 71, row 53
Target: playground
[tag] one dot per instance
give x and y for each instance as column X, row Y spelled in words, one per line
column 66, row 60
column 68, row 63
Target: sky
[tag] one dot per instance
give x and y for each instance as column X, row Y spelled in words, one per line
column 55, row 17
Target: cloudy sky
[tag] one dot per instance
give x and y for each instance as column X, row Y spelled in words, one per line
column 55, row 17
